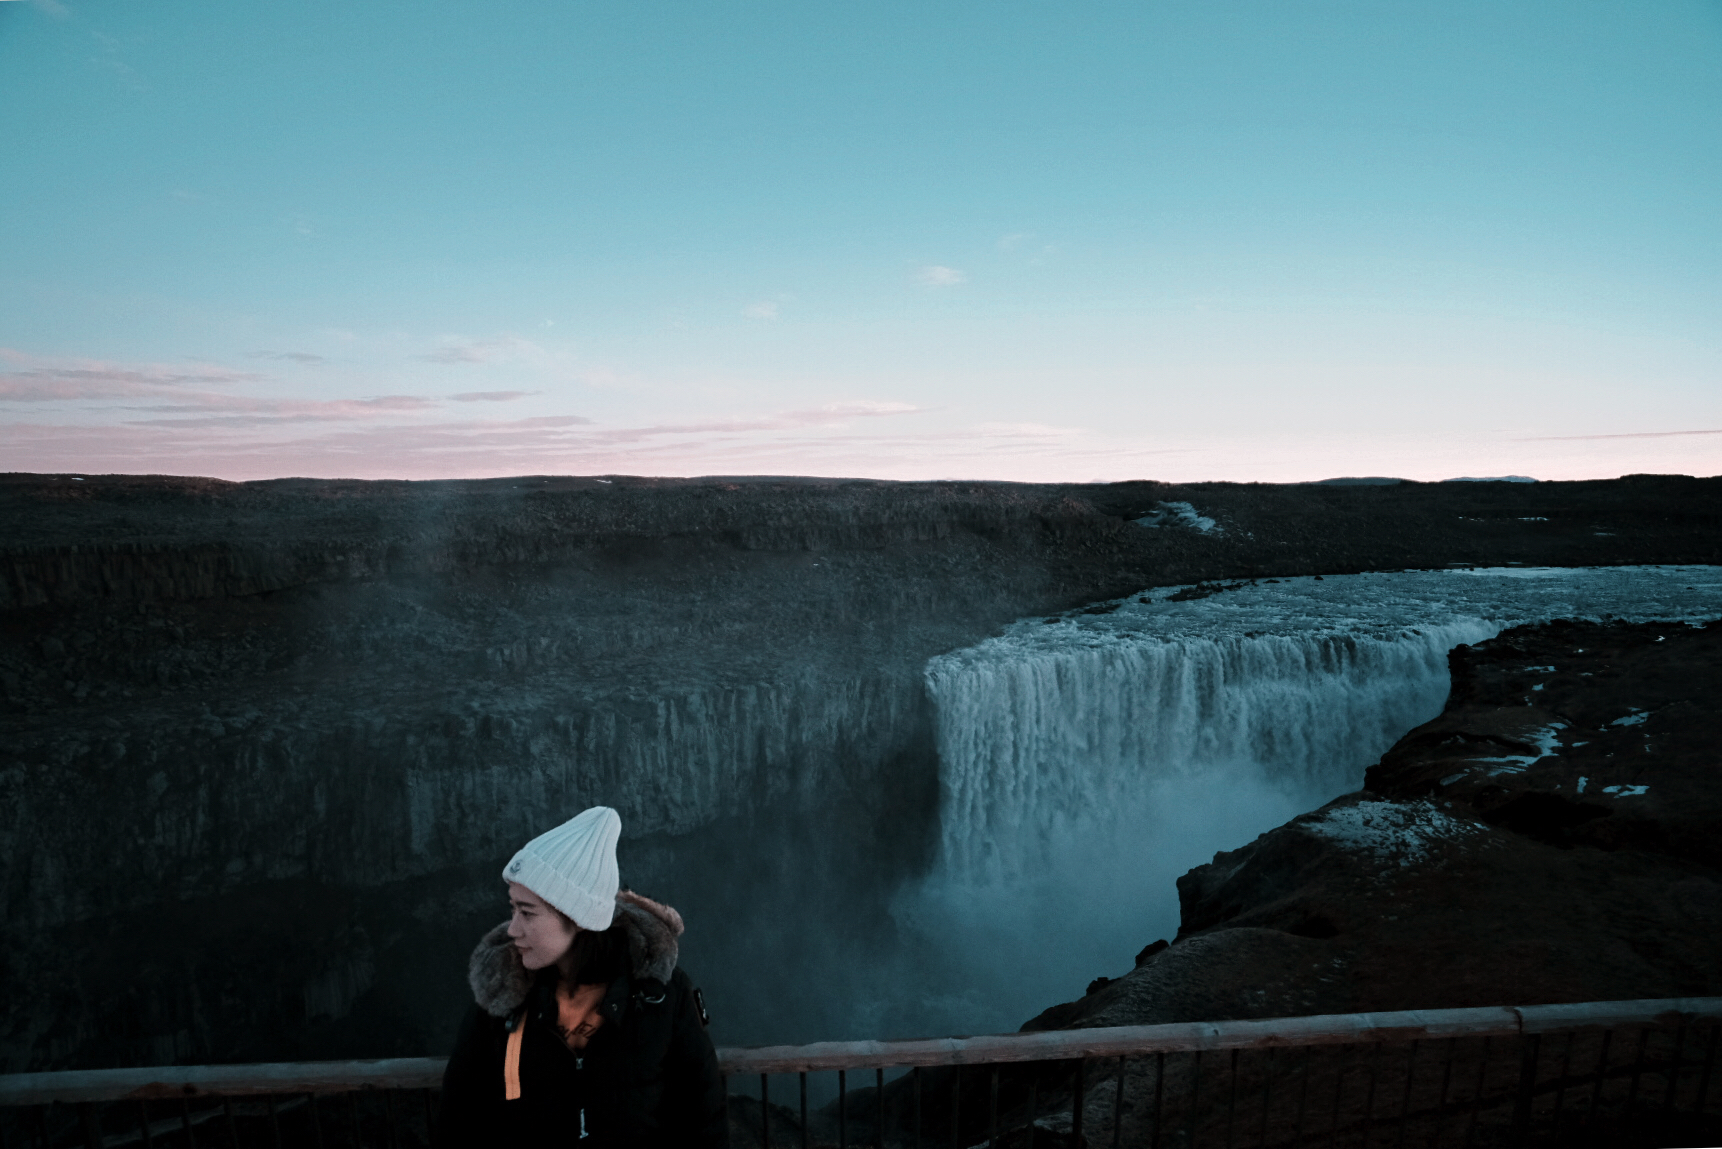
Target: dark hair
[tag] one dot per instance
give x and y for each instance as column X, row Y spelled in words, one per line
column 599, row 955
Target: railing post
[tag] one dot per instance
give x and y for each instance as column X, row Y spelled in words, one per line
column 1118, row 1106
column 1482, row 1084
column 1267, row 1097
column 92, row 1125
column 1339, row 1072
column 1232, row 1101
column 1369, row 1097
column 879, row 1104
column 916, row 1074
column 1601, row 1076
column 1405, row 1100
column 1671, row 1077
column 1561, row 1093
column 956, row 1107
column 1709, row 1064
column 1446, row 1083
column 1531, row 1043
column 1193, row 1112
column 1637, row 1072
column 1159, row 1095
column 993, row 1111
column 1076, row 1103
column 1302, row 1097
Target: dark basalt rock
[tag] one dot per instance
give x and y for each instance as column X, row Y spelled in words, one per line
column 1551, row 837
column 1627, row 715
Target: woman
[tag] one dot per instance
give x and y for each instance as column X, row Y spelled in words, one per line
column 582, row 1027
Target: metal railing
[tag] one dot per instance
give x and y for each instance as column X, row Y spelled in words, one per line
column 1512, row 1075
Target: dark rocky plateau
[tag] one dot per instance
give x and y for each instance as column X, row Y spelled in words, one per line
column 266, row 744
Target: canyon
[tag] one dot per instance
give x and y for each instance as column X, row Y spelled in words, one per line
column 268, row 744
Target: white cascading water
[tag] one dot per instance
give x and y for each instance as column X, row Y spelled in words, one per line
column 1087, row 761
column 1064, row 744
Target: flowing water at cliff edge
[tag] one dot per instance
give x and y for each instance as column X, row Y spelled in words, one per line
column 1087, row 760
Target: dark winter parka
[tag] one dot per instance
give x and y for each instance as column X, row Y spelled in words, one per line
column 647, row 1079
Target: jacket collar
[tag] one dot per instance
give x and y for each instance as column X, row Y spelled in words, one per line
column 501, row 985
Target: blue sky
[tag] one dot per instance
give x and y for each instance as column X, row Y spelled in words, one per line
column 1268, row 240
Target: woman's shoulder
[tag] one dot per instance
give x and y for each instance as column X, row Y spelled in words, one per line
column 476, row 1025
column 678, row 984
column 685, row 992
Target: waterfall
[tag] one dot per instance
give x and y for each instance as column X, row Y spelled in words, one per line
column 1088, row 760
column 1040, row 747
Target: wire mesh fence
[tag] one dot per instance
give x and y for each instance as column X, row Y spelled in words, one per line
column 392, row 1118
column 1604, row 1073
column 1650, row 1085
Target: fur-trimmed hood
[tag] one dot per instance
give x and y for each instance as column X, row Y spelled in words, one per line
column 500, row 984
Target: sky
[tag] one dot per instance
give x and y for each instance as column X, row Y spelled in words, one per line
column 1250, row 240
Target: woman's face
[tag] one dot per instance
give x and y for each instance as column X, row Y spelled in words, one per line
column 540, row 934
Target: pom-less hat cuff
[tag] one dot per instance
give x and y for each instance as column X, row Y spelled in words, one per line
column 588, row 911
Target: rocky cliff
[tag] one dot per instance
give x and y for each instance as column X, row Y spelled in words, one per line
column 1551, row 837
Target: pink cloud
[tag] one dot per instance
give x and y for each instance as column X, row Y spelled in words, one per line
column 264, row 412
column 831, row 415
column 178, row 396
column 796, row 442
column 1620, row 435
column 58, row 384
column 490, row 396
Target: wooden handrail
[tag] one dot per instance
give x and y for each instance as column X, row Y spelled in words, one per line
column 1048, row 1045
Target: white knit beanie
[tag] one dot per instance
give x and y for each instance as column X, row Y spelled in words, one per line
column 573, row 867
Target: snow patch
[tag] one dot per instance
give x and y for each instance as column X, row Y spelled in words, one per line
column 1636, row 718
column 1547, row 741
column 1491, row 479
column 1625, row 791
column 1178, row 515
column 1402, row 832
